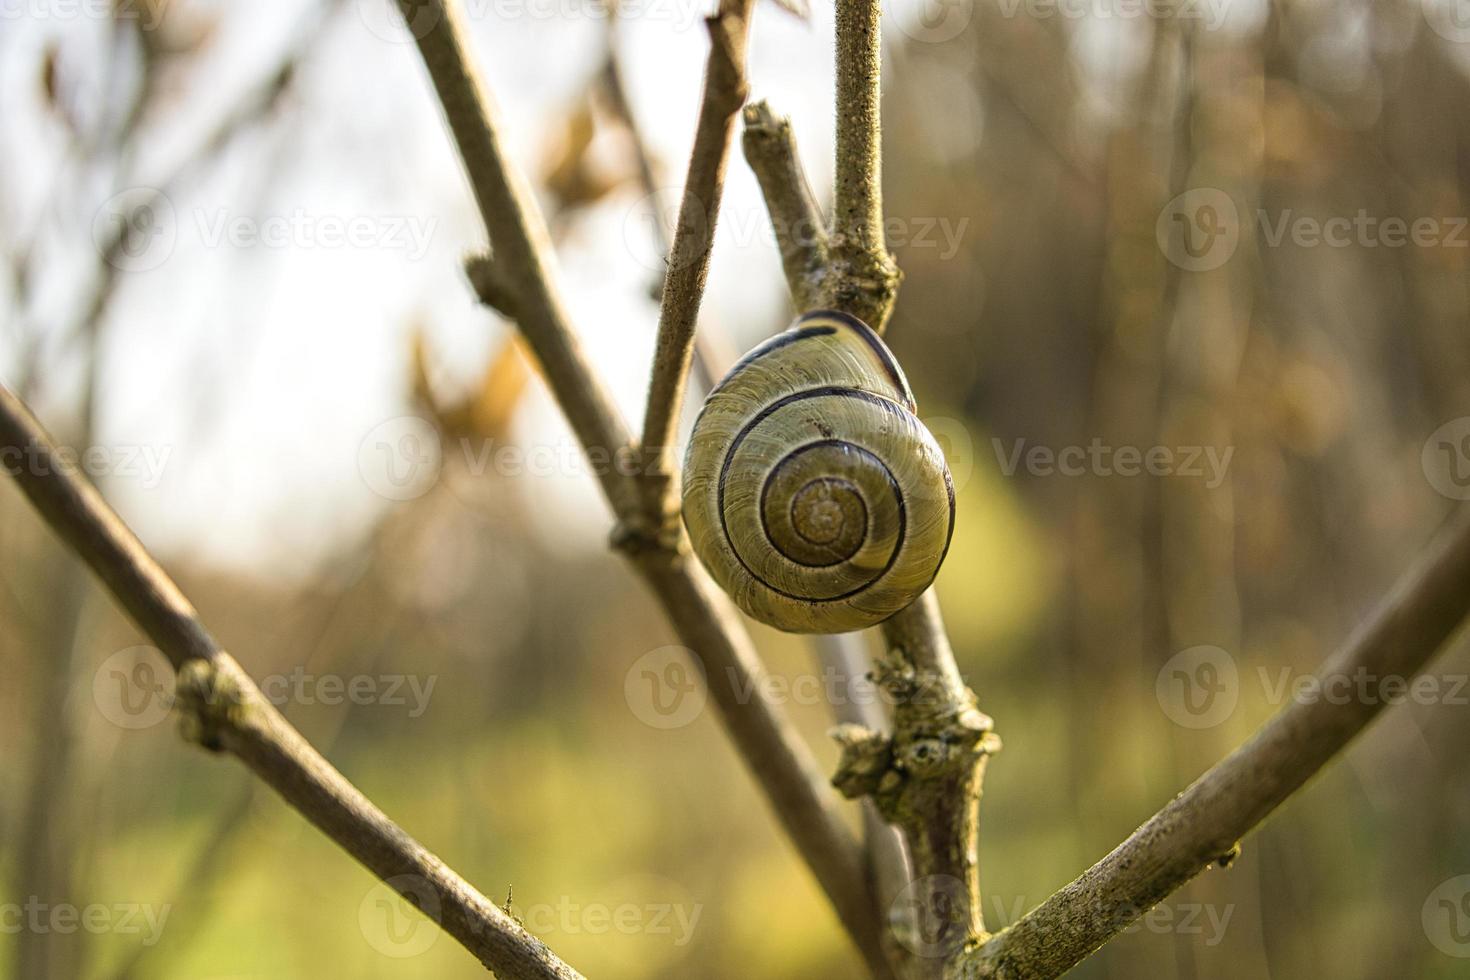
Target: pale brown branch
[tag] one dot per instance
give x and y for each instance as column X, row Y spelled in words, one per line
column 1203, row 824
column 522, row 251
column 490, row 285
column 864, row 278
column 688, row 262
column 222, row 709
column 801, row 234
column 708, row 353
column 703, row 617
column 924, row 775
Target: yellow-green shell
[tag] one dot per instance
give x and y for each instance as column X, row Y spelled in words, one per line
column 812, row 492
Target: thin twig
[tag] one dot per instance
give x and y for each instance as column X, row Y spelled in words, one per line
column 801, row 234
column 702, row 616
column 1202, row 825
column 222, row 709
column 688, row 262
column 522, row 246
column 865, row 278
column 707, row 353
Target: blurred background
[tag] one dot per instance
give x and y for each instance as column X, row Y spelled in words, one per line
column 1227, row 237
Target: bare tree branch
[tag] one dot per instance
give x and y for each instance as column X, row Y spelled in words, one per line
column 801, row 234
column 865, row 278
column 702, row 616
column 522, row 247
column 222, row 709
column 688, row 262
column 1202, row 825
column 925, row 776
column 708, row 353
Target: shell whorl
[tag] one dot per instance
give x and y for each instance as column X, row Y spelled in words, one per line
column 811, row 490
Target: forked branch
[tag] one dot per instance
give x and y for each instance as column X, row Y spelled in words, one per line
column 1202, row 825
column 222, row 709
column 702, row 616
column 688, row 261
column 800, row 231
column 925, row 776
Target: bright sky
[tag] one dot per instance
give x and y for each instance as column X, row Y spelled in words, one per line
column 257, row 351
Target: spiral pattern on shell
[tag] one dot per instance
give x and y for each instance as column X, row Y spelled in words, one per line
column 812, row 492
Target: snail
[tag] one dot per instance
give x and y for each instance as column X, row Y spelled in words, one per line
column 811, row 491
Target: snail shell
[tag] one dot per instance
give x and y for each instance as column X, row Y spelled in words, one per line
column 812, row 492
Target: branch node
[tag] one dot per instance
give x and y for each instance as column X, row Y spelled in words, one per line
column 800, row 231
column 866, row 760
column 491, row 284
column 639, row 535
column 210, row 700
